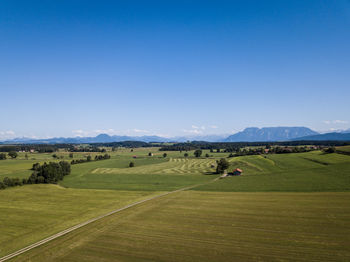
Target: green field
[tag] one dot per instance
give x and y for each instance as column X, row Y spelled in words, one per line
column 284, row 207
column 214, row 226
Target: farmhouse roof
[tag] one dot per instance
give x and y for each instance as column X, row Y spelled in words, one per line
column 239, row 170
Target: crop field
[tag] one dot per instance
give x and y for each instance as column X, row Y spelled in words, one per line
column 214, row 226
column 31, row 213
column 284, row 207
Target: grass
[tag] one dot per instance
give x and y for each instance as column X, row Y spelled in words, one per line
column 31, row 213
column 149, row 173
column 345, row 149
column 303, row 172
column 213, row 222
column 214, row 226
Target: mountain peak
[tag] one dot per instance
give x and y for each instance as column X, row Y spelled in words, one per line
column 254, row 134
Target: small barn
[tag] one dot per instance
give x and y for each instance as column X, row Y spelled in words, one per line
column 237, row 172
column 134, row 156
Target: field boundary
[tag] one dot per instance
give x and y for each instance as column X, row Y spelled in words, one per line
column 66, row 231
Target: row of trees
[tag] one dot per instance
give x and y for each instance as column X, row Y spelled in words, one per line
column 234, row 146
column 88, row 159
column 49, row 173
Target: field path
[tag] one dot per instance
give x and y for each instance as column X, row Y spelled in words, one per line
column 66, row 231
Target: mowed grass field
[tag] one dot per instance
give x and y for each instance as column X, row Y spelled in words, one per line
column 283, row 207
column 214, row 226
column 31, row 213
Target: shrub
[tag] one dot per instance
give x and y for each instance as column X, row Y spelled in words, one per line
column 13, row 154
column 198, row 153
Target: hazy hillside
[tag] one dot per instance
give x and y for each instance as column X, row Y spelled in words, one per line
column 254, row 134
column 327, row 136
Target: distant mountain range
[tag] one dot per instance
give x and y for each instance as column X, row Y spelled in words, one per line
column 328, row 136
column 254, row 134
column 251, row 134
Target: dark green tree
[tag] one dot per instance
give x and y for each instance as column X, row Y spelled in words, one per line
column 222, row 165
column 131, row 164
column 165, row 155
column 13, row 154
column 198, row 153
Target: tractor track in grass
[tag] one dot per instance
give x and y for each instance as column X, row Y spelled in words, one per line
column 68, row 230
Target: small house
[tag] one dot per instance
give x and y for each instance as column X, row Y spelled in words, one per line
column 134, row 156
column 237, row 172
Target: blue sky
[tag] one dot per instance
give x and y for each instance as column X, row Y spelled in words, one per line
column 172, row 67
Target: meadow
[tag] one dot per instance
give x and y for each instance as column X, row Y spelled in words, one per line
column 214, row 226
column 283, row 207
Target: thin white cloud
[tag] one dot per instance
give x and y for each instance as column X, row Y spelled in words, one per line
column 140, row 130
column 340, row 122
column 328, row 122
column 193, row 131
column 8, row 134
column 214, row 127
column 195, row 127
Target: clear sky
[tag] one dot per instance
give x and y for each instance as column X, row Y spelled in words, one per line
column 172, row 67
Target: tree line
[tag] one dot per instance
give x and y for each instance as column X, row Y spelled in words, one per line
column 89, row 159
column 233, row 146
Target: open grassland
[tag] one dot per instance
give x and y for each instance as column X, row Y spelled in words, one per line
column 302, row 172
column 31, row 213
column 212, row 222
column 344, row 149
column 214, row 226
column 150, row 173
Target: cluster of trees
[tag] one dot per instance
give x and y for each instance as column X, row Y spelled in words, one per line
column 329, row 150
column 10, row 182
column 49, row 173
column 87, row 149
column 127, row 144
column 36, row 147
column 102, row 157
column 12, row 154
column 88, row 159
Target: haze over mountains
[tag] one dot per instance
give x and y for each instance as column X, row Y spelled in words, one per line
column 251, row 134
column 254, row 134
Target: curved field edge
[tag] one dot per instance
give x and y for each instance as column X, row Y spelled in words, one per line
column 214, row 226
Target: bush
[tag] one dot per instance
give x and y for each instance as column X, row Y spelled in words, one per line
column 165, row 155
column 330, row 150
column 2, row 156
column 198, row 153
column 131, row 164
column 13, row 154
column 2, row 185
